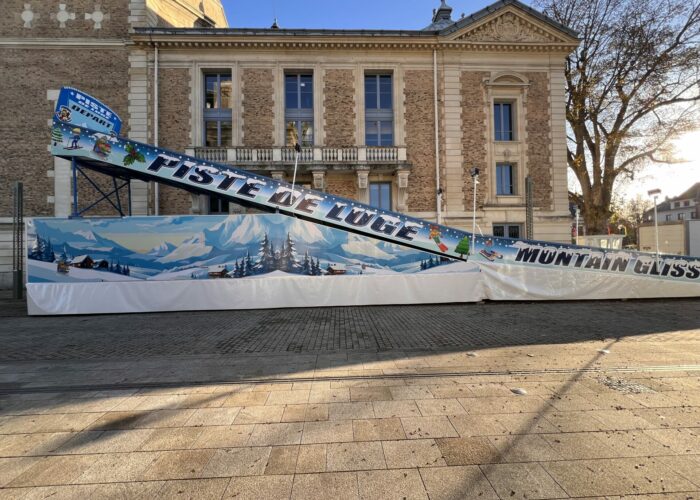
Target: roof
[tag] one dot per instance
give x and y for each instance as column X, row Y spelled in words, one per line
column 80, row 258
column 442, row 25
column 692, row 193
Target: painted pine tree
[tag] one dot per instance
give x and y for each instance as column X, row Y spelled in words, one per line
column 463, row 247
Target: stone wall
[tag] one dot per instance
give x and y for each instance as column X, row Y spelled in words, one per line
column 474, row 136
column 258, row 108
column 174, row 125
column 26, row 76
column 539, row 140
column 339, row 107
column 44, row 18
column 344, row 186
column 419, row 114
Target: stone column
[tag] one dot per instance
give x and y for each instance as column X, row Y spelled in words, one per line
column 362, row 184
column 402, row 189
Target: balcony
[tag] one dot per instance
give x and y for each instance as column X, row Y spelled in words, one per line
column 277, row 158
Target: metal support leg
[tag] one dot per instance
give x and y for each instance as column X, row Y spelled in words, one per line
column 74, row 169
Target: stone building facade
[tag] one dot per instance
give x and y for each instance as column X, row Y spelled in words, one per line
column 392, row 118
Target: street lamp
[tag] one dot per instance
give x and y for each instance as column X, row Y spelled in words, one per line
column 475, row 175
column 654, row 193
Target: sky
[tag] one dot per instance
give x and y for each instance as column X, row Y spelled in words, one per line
column 342, row 14
column 416, row 14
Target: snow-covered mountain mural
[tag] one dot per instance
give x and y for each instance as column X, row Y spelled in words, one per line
column 207, row 247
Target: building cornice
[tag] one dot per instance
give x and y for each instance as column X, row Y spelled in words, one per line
column 262, row 42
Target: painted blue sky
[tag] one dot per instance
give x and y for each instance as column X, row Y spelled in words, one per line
column 343, row 14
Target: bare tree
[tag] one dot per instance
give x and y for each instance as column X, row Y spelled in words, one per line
column 632, row 87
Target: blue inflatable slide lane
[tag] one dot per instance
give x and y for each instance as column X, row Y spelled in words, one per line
column 88, row 131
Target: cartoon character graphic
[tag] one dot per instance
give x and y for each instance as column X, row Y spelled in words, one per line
column 63, row 114
column 435, row 236
column 102, row 147
column 75, row 139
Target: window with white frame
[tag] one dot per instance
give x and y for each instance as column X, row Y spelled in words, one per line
column 505, row 179
column 379, row 110
column 218, row 90
column 299, row 109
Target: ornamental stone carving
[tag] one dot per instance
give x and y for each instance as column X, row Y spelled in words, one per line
column 28, row 16
column 508, row 28
column 63, row 15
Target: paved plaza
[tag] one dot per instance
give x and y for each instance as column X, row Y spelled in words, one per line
column 494, row 400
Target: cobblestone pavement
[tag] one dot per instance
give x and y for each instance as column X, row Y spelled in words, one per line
column 381, row 328
column 558, row 400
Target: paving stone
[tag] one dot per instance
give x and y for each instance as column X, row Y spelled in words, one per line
column 457, row 483
column 140, row 490
column 10, row 468
column 311, row 458
column 170, row 439
column 428, row 427
column 631, row 443
column 381, row 484
column 256, row 487
column 583, row 478
column 677, row 440
column 330, row 396
column 52, row 492
column 355, row 456
column 237, row 462
column 247, row 399
column 467, row 451
column 370, row 394
column 388, row 409
column 163, row 418
column 522, row 481
column 336, row 485
column 412, row 453
column 282, row 460
column 49, row 470
column 579, row 445
column 181, row 464
column 477, row 425
column 305, row 413
column 410, row 392
column 687, row 466
column 449, row 391
column 117, row 467
column 223, row 436
column 432, row 407
column 213, row 416
column 288, row 397
column 259, row 415
column 327, row 432
column 507, row 404
column 276, row 434
column 524, row 448
column 194, row 489
column 378, row 429
column 348, row 411
column 648, row 475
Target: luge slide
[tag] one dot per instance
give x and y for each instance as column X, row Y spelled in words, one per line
column 477, row 267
